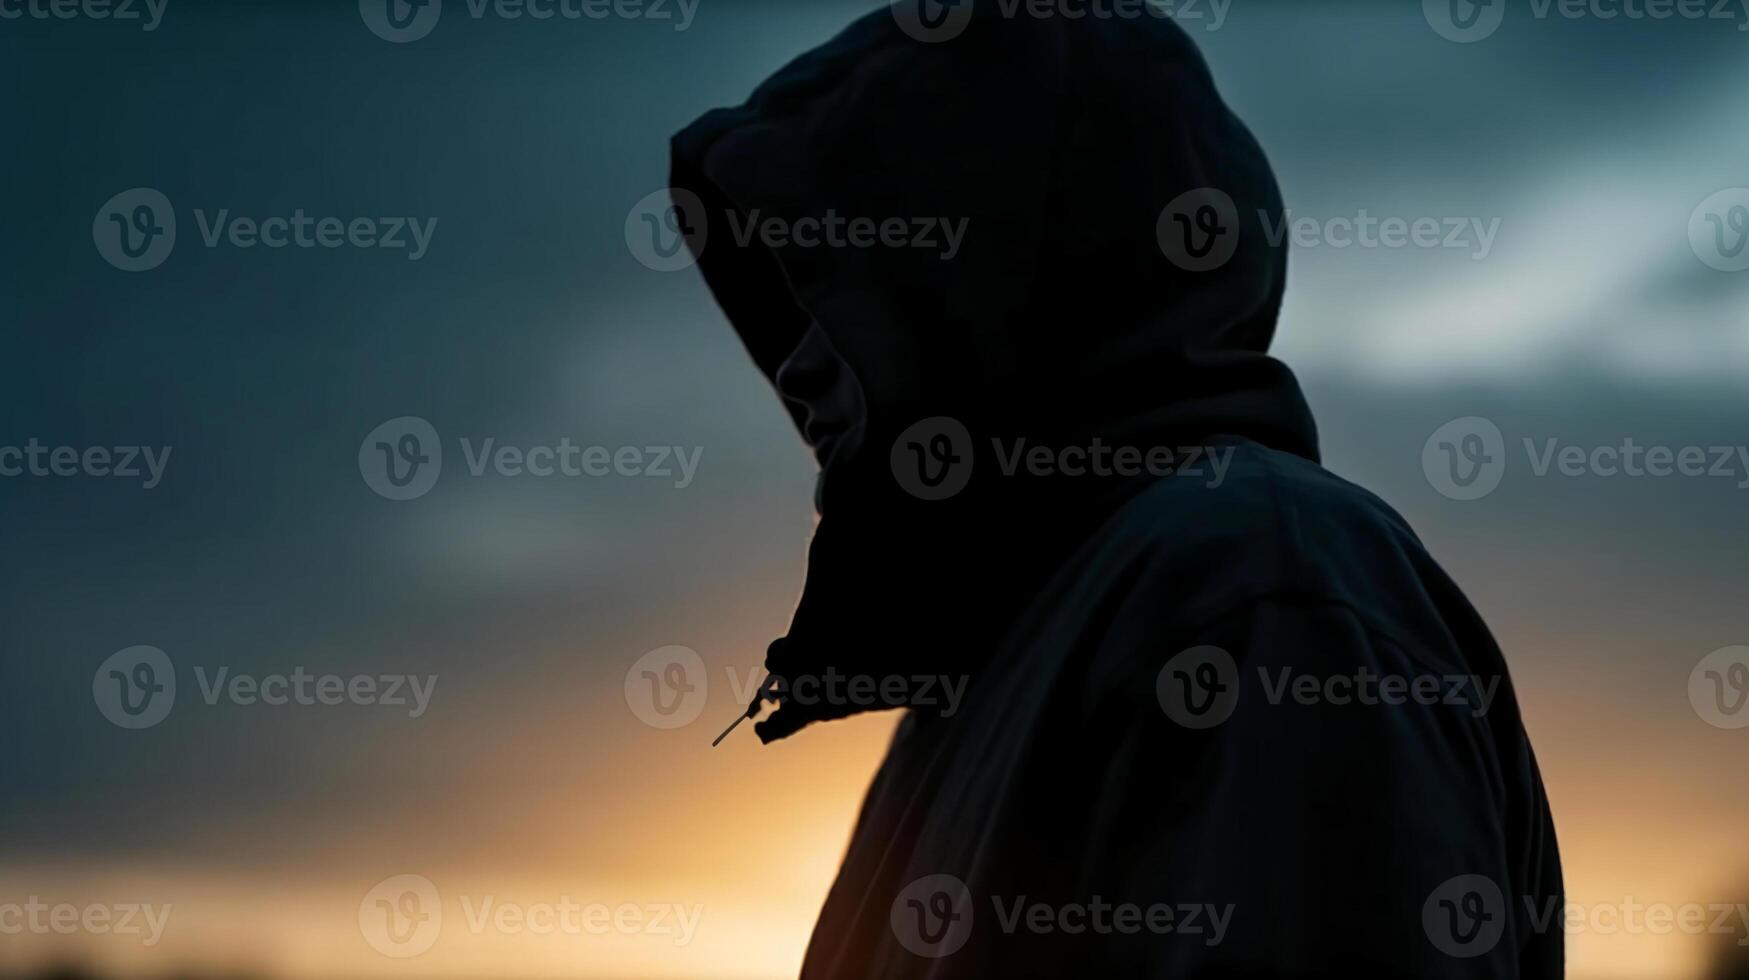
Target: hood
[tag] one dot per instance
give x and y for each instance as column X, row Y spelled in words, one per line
column 1087, row 165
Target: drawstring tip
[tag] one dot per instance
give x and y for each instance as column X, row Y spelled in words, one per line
column 767, row 692
column 732, row 726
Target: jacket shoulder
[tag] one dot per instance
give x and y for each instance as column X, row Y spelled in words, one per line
column 1259, row 525
column 1277, row 520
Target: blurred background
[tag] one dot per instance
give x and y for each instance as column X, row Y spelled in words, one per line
column 1600, row 310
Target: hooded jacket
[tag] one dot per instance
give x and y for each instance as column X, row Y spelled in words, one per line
column 1223, row 715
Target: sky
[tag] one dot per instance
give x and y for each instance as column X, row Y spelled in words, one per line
column 1567, row 158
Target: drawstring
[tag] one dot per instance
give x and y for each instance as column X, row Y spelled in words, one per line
column 767, row 692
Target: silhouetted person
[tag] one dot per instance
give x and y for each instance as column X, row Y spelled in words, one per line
column 1168, row 666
